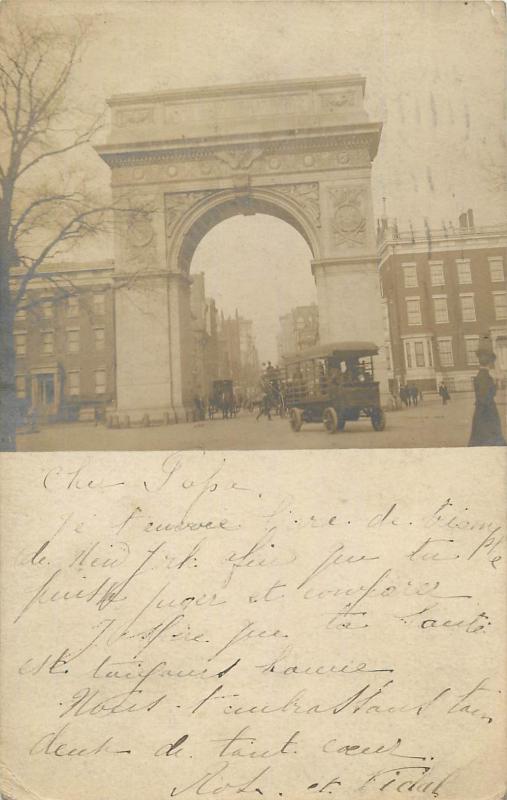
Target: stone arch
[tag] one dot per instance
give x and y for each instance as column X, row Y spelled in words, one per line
column 216, row 207
column 300, row 150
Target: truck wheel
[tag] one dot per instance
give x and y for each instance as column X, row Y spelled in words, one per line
column 330, row 420
column 378, row 419
column 296, row 419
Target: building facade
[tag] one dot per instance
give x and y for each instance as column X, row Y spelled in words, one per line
column 298, row 329
column 64, row 341
column 238, row 357
column 205, row 338
column 442, row 290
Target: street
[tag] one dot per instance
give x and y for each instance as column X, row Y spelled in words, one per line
column 428, row 425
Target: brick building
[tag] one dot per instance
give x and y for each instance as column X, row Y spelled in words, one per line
column 64, row 343
column 442, row 290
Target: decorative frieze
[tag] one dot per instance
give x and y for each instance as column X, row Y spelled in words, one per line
column 305, row 155
column 239, row 159
column 332, row 103
column 230, row 164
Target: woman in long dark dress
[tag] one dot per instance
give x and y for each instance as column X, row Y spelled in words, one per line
column 486, row 425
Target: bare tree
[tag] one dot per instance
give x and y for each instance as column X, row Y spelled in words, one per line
column 45, row 205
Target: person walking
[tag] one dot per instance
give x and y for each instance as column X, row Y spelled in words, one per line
column 265, row 408
column 486, row 425
column 444, row 393
column 414, row 394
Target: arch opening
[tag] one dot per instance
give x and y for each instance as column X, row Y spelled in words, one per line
column 204, row 217
column 257, row 267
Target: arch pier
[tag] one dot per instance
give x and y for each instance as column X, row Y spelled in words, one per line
column 300, row 150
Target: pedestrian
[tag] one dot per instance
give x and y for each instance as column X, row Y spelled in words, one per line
column 404, row 395
column 265, row 408
column 414, row 394
column 444, row 393
column 486, row 425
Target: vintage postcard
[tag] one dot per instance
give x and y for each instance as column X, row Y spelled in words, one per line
column 234, row 235
column 261, row 225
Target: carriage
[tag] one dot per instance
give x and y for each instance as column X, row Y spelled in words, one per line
column 333, row 384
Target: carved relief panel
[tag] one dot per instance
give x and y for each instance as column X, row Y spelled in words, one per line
column 348, row 216
column 136, row 232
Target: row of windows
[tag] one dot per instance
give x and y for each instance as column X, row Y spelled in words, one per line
column 417, row 355
column 463, row 269
column 441, row 311
column 48, row 341
column 73, row 383
column 72, row 307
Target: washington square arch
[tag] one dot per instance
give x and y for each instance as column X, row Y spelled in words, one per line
column 299, row 150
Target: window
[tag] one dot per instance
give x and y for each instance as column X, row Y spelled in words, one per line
column 20, row 344
column 409, row 275
column 48, row 343
column 500, row 301
column 74, row 383
column 21, row 315
column 464, row 271
column 437, row 273
column 467, row 307
column 100, row 381
column 73, row 341
column 20, row 386
column 73, row 306
column 496, row 269
column 445, row 352
column 430, row 353
column 413, row 311
column 419, row 354
column 99, row 334
column 408, row 355
column 47, row 309
column 471, row 345
column 99, row 304
column 440, row 308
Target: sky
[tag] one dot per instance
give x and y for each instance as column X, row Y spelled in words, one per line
column 435, row 75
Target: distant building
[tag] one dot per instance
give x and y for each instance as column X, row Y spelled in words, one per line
column 442, row 289
column 238, row 357
column 205, row 342
column 298, row 329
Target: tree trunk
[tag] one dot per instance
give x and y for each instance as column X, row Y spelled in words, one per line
column 8, row 400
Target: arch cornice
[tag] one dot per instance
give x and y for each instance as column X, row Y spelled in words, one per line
column 139, row 153
column 286, row 202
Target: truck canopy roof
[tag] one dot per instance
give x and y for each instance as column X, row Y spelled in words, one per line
column 343, row 349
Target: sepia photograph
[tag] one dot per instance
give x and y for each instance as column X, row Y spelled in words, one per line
column 253, row 368
column 252, row 225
